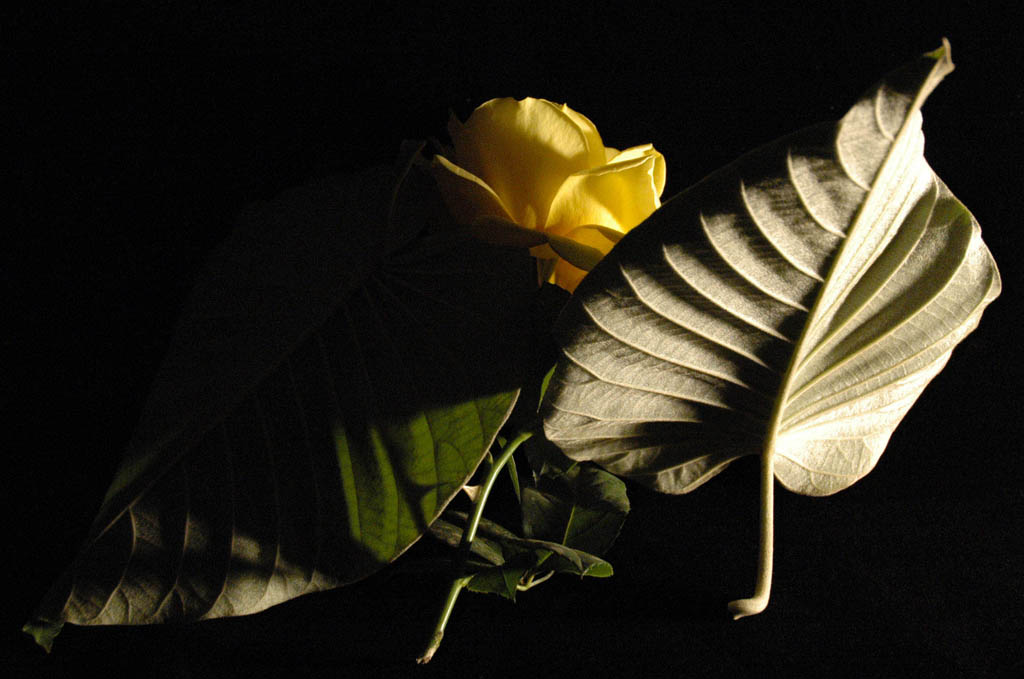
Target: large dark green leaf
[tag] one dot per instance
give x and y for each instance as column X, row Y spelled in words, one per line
column 336, row 378
column 793, row 305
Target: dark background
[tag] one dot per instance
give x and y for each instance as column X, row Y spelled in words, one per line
column 137, row 131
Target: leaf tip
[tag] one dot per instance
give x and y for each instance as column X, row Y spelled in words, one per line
column 43, row 632
column 943, row 57
column 943, row 60
column 919, row 78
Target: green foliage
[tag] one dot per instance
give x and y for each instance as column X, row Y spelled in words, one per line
column 342, row 368
column 348, row 360
column 571, row 514
column 577, row 505
column 513, row 562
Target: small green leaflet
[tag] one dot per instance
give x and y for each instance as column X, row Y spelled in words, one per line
column 575, row 504
column 572, row 513
column 504, row 560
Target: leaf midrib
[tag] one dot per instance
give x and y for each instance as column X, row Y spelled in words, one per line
column 859, row 223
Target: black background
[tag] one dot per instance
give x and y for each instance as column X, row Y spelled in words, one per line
column 139, row 129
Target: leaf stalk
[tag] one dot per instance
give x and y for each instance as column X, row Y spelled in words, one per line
column 466, row 544
column 741, row 608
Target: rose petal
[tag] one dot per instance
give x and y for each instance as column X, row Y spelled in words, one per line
column 619, row 195
column 596, row 236
column 522, row 150
column 567, row 273
column 467, row 196
column 567, row 276
column 579, row 254
column 543, row 251
column 632, row 153
column 595, row 147
column 642, row 151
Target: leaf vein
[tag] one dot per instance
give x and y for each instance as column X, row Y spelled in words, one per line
column 743, row 274
column 777, row 247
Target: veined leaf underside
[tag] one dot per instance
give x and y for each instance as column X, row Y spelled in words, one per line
column 793, row 304
column 808, row 291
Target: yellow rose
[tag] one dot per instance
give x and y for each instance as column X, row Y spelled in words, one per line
column 536, row 174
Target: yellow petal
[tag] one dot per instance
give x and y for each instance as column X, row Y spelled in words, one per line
column 600, row 240
column 543, row 251
column 580, row 255
column 642, row 151
column 566, row 276
column 596, row 154
column 619, row 195
column 522, row 150
column 467, row 196
column 632, row 153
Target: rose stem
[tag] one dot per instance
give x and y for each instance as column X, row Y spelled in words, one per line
column 461, row 580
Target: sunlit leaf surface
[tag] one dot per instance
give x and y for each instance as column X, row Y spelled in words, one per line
column 793, row 304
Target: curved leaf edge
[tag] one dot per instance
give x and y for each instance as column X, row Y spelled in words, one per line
column 44, row 630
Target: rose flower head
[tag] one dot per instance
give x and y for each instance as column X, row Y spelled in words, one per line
column 536, row 174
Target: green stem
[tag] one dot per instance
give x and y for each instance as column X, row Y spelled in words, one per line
column 442, row 620
column 485, row 490
column 466, row 544
column 513, row 474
